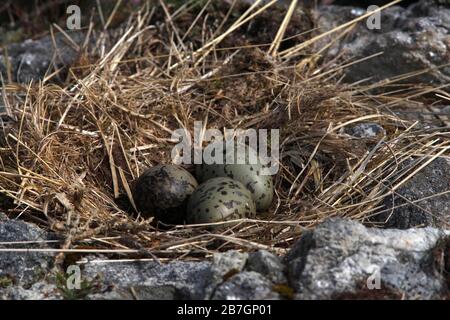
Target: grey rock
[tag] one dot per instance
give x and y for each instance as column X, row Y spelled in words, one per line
column 335, row 260
column 33, row 59
column 115, row 293
column 224, row 266
column 176, row 280
column 23, row 267
column 411, row 39
column 38, row 291
column 429, row 191
column 268, row 265
column 181, row 280
column 158, row 293
column 184, row 280
column 139, row 292
column 365, row 130
column 339, row 256
column 247, row 285
column 226, row 263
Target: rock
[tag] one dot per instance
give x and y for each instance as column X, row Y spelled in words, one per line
column 433, row 182
column 223, row 278
column 247, row 285
column 446, row 110
column 411, row 39
column 158, row 293
column 32, row 59
column 268, row 265
column 365, row 130
column 38, row 291
column 139, row 292
column 242, row 276
column 342, row 258
column 338, row 259
column 114, row 294
column 226, row 264
column 181, row 280
column 23, row 267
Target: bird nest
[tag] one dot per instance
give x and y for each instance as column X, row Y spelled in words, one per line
column 69, row 158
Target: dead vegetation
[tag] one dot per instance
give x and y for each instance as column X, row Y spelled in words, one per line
column 70, row 157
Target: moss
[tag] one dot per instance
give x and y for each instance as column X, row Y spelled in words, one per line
column 86, row 287
column 441, row 256
column 5, row 282
column 285, row 291
column 11, row 36
column 230, row 274
column 364, row 293
column 441, row 263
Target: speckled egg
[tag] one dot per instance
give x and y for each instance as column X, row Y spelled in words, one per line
column 220, row 199
column 162, row 191
column 260, row 186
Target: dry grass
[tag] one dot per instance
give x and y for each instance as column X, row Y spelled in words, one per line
column 70, row 158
